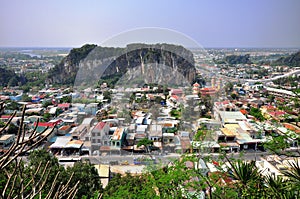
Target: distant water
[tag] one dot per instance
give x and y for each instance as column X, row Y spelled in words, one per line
column 31, row 54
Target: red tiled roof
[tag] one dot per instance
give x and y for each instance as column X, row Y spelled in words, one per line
column 48, row 124
column 5, row 116
column 175, row 97
column 45, row 124
column 208, row 89
column 100, row 125
column 63, row 105
column 196, row 85
column 277, row 113
column 243, row 111
column 176, row 91
column 63, row 128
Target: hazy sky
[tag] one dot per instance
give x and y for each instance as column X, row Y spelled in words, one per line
column 212, row 23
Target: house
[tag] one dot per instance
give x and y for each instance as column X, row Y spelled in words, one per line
column 281, row 92
column 41, row 126
column 205, row 146
column 118, row 138
column 81, row 132
column 230, row 117
column 169, row 142
column 64, row 106
column 63, row 130
column 100, row 136
column 141, row 129
column 208, row 91
column 64, row 145
column 155, row 132
column 130, row 138
column 6, row 141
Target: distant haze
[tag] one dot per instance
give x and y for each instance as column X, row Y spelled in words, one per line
column 211, row 23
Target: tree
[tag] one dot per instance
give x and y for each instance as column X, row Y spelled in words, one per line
column 88, row 176
column 234, row 95
column 47, row 116
column 129, row 186
column 107, row 96
column 18, row 181
column 26, row 98
column 66, row 99
column 294, row 173
column 145, row 142
column 256, row 112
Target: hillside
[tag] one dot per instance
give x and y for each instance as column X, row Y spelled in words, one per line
column 65, row 72
column 291, row 60
column 8, row 77
column 91, row 63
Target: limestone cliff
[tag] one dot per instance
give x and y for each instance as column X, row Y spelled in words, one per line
column 94, row 63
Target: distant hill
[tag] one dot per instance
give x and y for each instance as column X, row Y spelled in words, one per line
column 238, row 59
column 8, row 77
column 92, row 62
column 291, row 60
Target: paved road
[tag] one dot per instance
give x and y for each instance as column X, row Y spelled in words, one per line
column 167, row 158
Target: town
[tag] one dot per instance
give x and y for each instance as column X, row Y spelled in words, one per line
column 247, row 108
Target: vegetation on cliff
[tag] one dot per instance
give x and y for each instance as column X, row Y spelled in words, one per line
column 65, row 72
column 291, row 60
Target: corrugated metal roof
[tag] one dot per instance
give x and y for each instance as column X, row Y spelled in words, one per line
column 61, row 142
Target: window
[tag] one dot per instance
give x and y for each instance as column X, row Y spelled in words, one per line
column 93, row 134
column 98, row 134
column 98, row 140
column 93, row 140
column 118, row 143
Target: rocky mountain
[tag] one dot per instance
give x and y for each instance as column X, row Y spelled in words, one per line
column 65, row 72
column 151, row 63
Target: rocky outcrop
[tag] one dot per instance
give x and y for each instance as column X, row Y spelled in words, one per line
column 156, row 62
column 65, row 72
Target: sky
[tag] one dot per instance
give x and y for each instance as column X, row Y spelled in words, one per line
column 210, row 23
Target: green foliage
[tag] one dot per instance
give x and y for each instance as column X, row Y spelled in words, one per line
column 107, row 95
column 66, row 99
column 110, row 80
column 256, row 112
column 234, row 95
column 129, row 186
column 145, row 142
column 277, row 144
column 8, row 77
column 238, row 59
column 2, row 124
column 13, row 106
column 88, row 176
column 176, row 113
column 47, row 116
column 290, row 60
column 41, row 156
column 26, row 98
column 12, row 129
column 47, row 103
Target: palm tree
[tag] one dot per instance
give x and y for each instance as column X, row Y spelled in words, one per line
column 247, row 176
column 293, row 175
column 276, row 186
